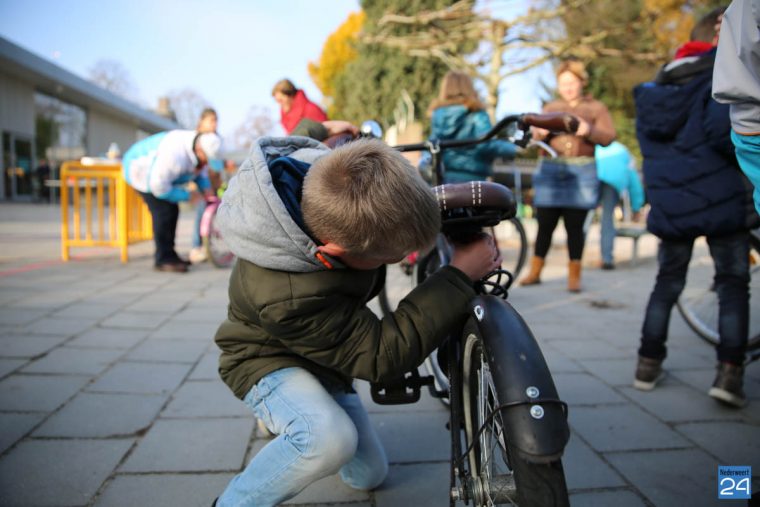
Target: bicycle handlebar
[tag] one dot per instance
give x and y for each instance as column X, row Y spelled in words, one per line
column 556, row 122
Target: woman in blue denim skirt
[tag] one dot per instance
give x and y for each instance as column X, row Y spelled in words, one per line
column 567, row 187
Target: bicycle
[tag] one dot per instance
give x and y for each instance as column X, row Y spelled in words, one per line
column 511, row 231
column 216, row 249
column 698, row 303
column 508, row 426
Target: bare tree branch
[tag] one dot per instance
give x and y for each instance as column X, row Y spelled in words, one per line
column 537, row 35
column 258, row 122
column 115, row 78
column 187, row 105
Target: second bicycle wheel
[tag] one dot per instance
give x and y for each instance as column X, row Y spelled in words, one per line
column 498, row 474
column 698, row 303
column 513, row 244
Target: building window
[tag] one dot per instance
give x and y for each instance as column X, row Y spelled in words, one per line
column 60, row 129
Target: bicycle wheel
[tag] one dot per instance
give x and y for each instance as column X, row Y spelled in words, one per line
column 398, row 283
column 498, row 474
column 397, row 286
column 217, row 250
column 513, row 243
column 698, row 303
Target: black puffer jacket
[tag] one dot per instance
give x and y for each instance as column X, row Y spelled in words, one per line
column 692, row 179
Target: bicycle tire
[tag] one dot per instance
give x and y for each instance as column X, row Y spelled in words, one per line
column 698, row 303
column 424, row 266
column 513, row 243
column 389, row 299
column 504, row 476
column 216, row 249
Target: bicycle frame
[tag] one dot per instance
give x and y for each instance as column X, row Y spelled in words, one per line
column 533, row 417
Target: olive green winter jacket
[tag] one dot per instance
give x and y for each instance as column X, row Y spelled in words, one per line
column 320, row 321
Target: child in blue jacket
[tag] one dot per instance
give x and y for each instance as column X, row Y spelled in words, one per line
column 458, row 113
column 614, row 167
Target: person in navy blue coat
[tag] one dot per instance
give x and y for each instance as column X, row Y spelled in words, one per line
column 695, row 188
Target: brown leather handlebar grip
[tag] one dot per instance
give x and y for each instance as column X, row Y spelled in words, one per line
column 555, row 122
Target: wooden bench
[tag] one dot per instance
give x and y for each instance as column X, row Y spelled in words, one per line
column 634, row 231
column 630, row 229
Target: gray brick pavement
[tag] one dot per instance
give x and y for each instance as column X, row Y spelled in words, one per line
column 109, row 394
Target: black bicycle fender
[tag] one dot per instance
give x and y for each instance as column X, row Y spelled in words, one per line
column 536, row 420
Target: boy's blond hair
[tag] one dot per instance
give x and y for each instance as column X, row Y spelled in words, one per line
column 367, row 198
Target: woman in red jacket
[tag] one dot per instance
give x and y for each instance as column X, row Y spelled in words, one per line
column 294, row 106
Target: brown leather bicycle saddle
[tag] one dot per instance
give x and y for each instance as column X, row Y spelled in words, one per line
column 480, row 203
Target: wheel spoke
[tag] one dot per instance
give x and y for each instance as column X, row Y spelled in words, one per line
column 488, row 458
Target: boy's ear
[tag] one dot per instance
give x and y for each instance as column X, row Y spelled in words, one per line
column 332, row 249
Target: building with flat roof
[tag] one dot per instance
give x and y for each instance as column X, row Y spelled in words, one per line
column 48, row 113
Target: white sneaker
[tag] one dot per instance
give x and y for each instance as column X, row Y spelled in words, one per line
column 198, row 255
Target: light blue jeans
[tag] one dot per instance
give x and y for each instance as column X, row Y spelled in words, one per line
column 608, row 198
column 320, row 432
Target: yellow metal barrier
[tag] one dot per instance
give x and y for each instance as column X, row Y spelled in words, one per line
column 116, row 211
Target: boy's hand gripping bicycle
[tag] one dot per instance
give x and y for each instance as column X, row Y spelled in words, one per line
column 508, row 426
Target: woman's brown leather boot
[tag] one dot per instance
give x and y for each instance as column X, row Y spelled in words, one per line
column 534, row 277
column 574, row 276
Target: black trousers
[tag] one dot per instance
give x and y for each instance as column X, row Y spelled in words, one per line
column 165, row 215
column 573, row 218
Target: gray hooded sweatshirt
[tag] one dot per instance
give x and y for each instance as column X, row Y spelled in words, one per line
column 254, row 221
column 736, row 75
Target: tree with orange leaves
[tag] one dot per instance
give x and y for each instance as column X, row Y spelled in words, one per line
column 339, row 49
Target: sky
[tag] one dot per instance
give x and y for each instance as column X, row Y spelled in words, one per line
column 230, row 51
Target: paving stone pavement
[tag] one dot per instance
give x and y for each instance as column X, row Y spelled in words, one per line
column 109, row 394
